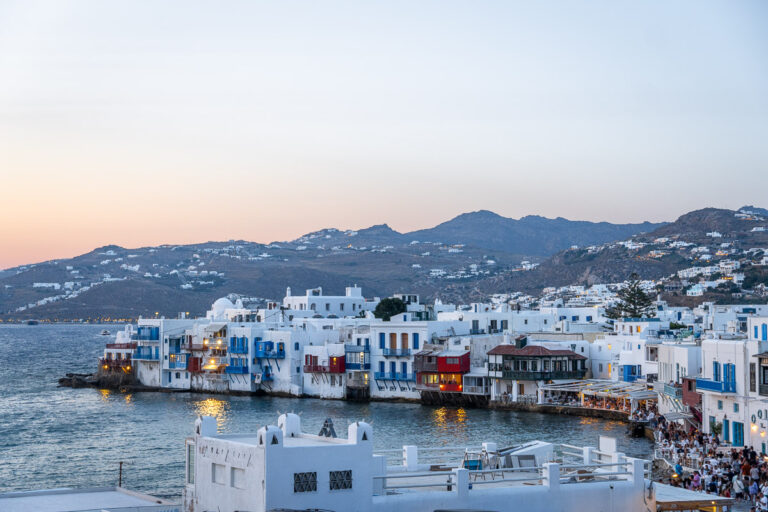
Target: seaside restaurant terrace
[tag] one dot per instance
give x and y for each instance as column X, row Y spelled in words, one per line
column 598, row 394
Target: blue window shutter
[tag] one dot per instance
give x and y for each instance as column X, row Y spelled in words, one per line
column 765, row 332
column 755, row 332
column 382, row 340
column 415, row 341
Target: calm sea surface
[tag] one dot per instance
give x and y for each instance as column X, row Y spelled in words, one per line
column 62, row 437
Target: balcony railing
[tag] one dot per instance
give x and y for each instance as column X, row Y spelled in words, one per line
column 405, row 376
column 385, row 375
column 716, row 385
column 357, row 348
column 178, row 364
column 270, row 354
column 238, row 370
column 542, row 375
column 420, row 366
column 358, row 366
column 477, row 390
column 316, row 368
column 673, row 391
column 397, row 352
column 762, row 389
column 238, row 348
column 145, row 337
column 146, row 354
column 121, row 345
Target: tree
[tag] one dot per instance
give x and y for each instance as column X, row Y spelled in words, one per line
column 388, row 308
column 633, row 302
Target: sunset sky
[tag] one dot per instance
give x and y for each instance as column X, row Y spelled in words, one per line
column 143, row 122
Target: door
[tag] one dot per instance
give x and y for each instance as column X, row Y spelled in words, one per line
column 738, row 434
column 404, row 370
column 381, row 366
column 404, row 341
column 392, row 369
column 726, row 430
column 393, row 341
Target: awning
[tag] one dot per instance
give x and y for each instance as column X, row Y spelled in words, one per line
column 678, row 498
column 675, row 415
column 643, row 395
column 214, row 327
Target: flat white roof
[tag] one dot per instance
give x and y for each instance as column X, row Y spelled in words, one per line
column 81, row 500
column 302, row 440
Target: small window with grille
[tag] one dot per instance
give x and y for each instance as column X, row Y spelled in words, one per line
column 341, row 480
column 305, row 482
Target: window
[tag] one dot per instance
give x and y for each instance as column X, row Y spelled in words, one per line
column 191, row 464
column 178, row 375
column 735, row 407
column 341, row 306
column 218, row 473
column 752, row 377
column 382, row 340
column 327, row 307
column 296, row 346
column 340, row 480
column 237, row 478
column 600, row 367
column 305, row 482
column 720, row 405
column 415, row 337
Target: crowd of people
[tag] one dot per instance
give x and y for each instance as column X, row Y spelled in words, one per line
column 647, row 413
column 702, row 463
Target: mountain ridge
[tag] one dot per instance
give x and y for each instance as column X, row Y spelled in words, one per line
column 473, row 255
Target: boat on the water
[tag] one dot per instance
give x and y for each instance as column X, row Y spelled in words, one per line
column 32, row 322
column 105, row 332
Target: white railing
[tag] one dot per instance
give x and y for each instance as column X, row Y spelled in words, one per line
column 463, row 480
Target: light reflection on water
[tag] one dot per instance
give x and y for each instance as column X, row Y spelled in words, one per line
column 57, row 437
column 215, row 407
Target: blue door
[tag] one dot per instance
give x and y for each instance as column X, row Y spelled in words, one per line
column 738, row 434
column 381, row 366
column 392, row 368
column 726, row 430
column 404, row 370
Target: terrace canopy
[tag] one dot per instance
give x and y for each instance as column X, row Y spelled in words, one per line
column 596, row 388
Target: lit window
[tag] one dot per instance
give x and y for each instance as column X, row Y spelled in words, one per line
column 305, row 482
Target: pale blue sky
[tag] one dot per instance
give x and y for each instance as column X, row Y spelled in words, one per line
column 266, row 120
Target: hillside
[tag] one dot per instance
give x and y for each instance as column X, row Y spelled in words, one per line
column 459, row 260
column 115, row 282
column 699, row 238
